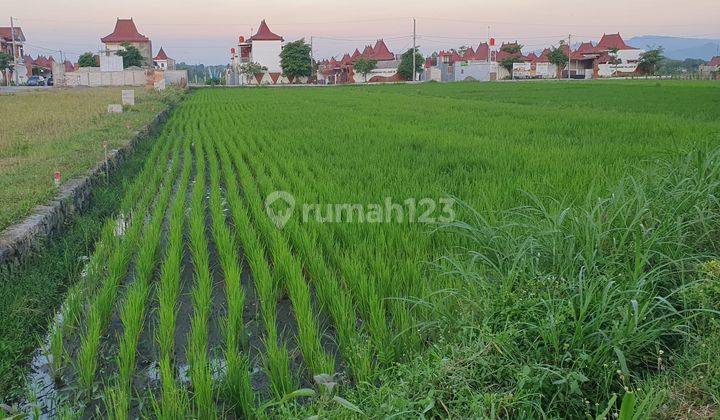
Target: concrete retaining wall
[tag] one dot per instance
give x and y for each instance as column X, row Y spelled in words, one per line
column 26, row 237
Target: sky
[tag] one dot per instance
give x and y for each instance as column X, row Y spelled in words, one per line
column 204, row 32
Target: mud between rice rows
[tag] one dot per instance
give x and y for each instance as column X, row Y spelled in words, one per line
column 47, row 394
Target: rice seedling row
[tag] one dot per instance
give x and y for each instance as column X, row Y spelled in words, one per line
column 549, row 300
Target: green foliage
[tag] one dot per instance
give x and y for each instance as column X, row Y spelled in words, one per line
column 405, row 69
column 89, row 60
column 131, row 56
column 295, row 59
column 557, row 56
column 650, row 59
column 248, row 70
column 5, row 60
column 215, row 81
column 364, row 66
column 507, row 63
column 668, row 66
column 512, row 48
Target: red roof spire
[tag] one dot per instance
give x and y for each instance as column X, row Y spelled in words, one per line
column 125, row 31
column 610, row 41
column 161, row 55
column 367, row 52
column 482, row 51
column 381, row 52
column 265, row 34
column 356, row 54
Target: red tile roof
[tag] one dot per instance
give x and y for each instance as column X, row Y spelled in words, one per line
column 6, row 34
column 715, row 61
column 610, row 41
column 452, row 57
column 346, row 60
column 367, row 52
column 586, row 48
column 161, row 55
column 532, row 57
column 69, row 66
column 482, row 51
column 381, row 52
column 469, row 54
column 265, row 34
column 357, row 54
column 125, row 31
column 544, row 56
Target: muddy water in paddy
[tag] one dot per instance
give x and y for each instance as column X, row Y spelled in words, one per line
column 48, row 393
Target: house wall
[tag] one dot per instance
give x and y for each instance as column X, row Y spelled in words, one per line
column 93, row 77
column 267, row 53
column 111, row 62
column 477, row 70
column 145, row 49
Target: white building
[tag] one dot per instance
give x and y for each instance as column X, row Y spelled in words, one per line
column 265, row 48
column 162, row 62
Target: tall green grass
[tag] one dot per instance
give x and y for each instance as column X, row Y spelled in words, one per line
column 578, row 260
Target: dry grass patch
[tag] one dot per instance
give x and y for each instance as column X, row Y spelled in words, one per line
column 60, row 130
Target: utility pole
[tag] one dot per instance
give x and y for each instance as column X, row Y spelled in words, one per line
column 14, row 52
column 569, row 51
column 488, row 44
column 311, row 59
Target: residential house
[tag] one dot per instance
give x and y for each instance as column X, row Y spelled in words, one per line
column 126, row 32
column 162, row 62
column 711, row 70
column 265, row 48
column 6, row 46
column 343, row 71
column 6, row 41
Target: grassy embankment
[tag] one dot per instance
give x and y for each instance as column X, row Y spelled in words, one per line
column 45, row 131
column 60, row 130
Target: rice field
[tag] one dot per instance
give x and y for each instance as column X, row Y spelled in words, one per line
column 503, row 221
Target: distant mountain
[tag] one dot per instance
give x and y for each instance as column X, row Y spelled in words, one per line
column 679, row 48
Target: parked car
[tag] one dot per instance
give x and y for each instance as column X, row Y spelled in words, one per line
column 36, row 81
column 49, row 81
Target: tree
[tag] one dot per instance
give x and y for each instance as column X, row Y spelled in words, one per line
column 295, row 59
column 5, row 60
column 405, row 69
column 507, row 62
column 513, row 48
column 251, row 69
column 364, row 66
column 131, row 56
column 558, row 57
column 613, row 53
column 650, row 59
column 87, row 60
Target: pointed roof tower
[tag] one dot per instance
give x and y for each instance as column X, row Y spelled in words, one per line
column 125, row 31
column 265, row 34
